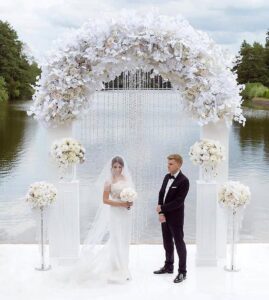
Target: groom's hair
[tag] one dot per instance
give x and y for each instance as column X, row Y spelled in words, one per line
column 178, row 158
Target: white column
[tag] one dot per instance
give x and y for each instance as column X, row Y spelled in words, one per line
column 64, row 233
column 220, row 132
column 206, row 224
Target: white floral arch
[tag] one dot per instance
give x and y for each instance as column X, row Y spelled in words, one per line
column 105, row 47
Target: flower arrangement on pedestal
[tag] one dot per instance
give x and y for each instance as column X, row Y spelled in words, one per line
column 40, row 196
column 67, row 153
column 234, row 196
column 208, row 154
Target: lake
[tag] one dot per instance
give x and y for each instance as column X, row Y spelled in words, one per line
column 143, row 127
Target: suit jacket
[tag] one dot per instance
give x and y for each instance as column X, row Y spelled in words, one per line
column 174, row 201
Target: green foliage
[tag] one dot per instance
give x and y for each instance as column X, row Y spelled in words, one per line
column 266, row 94
column 3, row 90
column 255, row 90
column 252, row 64
column 19, row 74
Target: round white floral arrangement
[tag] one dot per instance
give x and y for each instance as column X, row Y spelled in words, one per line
column 234, row 194
column 208, row 154
column 102, row 49
column 67, row 152
column 128, row 194
column 41, row 194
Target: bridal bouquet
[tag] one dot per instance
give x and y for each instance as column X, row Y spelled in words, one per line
column 208, row 154
column 234, row 194
column 128, row 194
column 41, row 194
column 67, row 152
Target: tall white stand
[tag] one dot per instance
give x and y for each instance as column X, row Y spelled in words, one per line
column 209, row 249
column 206, row 224
column 64, row 233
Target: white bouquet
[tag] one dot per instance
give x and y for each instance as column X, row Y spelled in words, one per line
column 67, row 152
column 234, row 194
column 41, row 194
column 208, row 154
column 128, row 194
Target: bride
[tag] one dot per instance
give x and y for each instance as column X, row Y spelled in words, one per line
column 105, row 253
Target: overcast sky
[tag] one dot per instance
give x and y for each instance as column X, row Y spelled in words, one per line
column 228, row 22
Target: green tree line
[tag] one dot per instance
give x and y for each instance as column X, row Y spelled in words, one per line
column 17, row 73
column 252, row 67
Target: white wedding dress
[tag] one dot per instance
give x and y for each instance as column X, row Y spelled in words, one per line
column 119, row 237
column 105, row 254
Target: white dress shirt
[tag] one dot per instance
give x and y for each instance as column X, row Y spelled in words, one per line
column 169, row 183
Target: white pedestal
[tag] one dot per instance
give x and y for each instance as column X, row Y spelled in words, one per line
column 206, row 224
column 64, row 233
column 219, row 132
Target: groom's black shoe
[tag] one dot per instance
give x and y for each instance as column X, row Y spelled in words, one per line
column 180, row 277
column 164, row 270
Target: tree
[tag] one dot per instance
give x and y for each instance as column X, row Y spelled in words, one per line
column 252, row 65
column 18, row 73
column 3, row 90
column 266, row 49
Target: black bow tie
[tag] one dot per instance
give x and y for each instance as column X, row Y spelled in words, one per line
column 172, row 177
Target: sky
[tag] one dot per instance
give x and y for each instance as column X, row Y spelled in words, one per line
column 228, row 22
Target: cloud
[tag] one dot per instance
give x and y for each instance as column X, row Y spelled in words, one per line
column 38, row 23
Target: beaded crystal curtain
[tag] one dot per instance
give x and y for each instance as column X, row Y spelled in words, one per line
column 136, row 116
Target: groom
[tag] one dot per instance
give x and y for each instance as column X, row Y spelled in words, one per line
column 170, row 208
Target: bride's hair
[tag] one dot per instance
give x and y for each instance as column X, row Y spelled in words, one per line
column 117, row 159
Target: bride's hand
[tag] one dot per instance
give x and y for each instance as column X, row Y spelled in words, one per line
column 127, row 204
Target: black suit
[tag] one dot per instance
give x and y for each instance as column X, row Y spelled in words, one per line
column 172, row 229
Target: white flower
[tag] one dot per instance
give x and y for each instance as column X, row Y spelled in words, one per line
column 128, row 194
column 41, row 194
column 67, row 152
column 234, row 194
column 206, row 152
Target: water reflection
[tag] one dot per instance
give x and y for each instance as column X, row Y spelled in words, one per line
column 12, row 129
column 255, row 135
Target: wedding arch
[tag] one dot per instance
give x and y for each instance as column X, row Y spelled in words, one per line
column 197, row 68
column 100, row 50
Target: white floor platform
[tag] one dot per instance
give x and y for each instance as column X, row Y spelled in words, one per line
column 20, row 281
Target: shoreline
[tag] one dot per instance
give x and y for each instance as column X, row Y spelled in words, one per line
column 257, row 103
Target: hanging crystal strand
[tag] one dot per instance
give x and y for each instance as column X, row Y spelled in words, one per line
column 110, row 107
column 94, row 111
column 124, row 104
column 114, row 119
column 105, row 114
column 117, row 99
column 139, row 138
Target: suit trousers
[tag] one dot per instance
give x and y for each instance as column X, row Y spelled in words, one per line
column 172, row 232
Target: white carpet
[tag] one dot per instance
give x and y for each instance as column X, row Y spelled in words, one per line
column 19, row 280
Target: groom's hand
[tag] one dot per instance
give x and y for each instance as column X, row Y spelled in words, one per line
column 162, row 218
column 158, row 209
